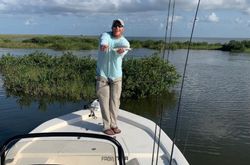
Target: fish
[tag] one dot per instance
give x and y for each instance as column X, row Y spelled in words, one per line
column 115, row 49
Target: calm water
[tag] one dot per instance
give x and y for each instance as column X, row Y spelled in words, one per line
column 215, row 109
column 20, row 52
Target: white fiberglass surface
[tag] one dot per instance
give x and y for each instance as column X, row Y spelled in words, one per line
column 70, row 151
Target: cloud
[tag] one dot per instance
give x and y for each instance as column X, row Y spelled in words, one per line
column 247, row 11
column 176, row 18
column 30, row 21
column 238, row 20
column 2, row 7
column 80, row 7
column 223, row 4
column 240, row 5
column 213, row 18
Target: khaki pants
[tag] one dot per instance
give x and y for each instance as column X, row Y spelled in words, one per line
column 109, row 93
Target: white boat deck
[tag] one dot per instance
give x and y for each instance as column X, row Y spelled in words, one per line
column 136, row 138
column 68, row 151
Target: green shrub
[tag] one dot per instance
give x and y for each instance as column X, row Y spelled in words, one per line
column 68, row 76
column 39, row 74
column 235, row 46
column 148, row 76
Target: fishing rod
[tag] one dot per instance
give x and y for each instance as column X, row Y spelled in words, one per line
column 163, row 56
column 171, row 29
column 166, row 30
column 182, row 84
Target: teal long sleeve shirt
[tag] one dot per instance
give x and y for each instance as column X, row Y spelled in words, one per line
column 109, row 63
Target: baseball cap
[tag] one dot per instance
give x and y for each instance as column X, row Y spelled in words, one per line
column 120, row 21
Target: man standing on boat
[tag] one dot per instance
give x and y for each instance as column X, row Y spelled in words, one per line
column 112, row 48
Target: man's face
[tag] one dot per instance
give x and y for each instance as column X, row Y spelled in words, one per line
column 117, row 30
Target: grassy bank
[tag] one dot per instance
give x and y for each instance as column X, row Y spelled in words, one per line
column 16, row 41
column 55, row 42
column 59, row 42
column 71, row 77
column 17, row 36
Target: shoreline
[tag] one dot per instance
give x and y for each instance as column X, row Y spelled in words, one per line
column 142, row 38
column 80, row 42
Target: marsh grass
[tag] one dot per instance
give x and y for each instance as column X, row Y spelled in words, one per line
column 60, row 42
column 64, row 43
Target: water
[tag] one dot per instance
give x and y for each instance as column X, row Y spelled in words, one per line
column 20, row 52
column 214, row 125
column 195, row 39
column 216, row 107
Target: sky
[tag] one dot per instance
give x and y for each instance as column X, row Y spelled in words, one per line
column 143, row 18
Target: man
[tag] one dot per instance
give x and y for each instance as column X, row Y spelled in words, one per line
column 112, row 48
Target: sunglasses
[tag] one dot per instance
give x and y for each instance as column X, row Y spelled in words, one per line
column 117, row 25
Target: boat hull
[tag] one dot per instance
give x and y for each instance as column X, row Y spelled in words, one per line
column 139, row 136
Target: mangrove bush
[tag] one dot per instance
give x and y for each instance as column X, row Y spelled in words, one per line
column 39, row 74
column 236, row 46
column 148, row 76
column 68, row 76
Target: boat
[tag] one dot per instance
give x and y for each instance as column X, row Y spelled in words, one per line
column 77, row 138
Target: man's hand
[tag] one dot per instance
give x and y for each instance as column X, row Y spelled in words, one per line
column 104, row 48
column 120, row 50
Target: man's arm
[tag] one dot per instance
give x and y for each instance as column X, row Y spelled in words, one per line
column 104, row 42
column 104, row 48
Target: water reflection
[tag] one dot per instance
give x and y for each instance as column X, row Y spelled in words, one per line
column 150, row 107
column 26, row 101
